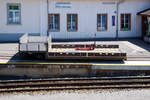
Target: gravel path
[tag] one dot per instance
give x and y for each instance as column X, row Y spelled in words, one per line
column 140, row 94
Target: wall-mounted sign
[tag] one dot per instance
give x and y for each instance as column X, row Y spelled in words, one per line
column 109, row 3
column 63, row 5
column 113, row 20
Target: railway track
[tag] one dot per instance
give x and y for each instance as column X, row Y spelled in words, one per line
column 73, row 83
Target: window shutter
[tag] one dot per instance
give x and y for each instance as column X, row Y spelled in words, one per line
column 130, row 21
column 49, row 21
column 106, row 21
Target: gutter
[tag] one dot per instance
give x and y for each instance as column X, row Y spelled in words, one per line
column 47, row 17
column 117, row 15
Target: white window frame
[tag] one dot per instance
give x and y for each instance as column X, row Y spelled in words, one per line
column 100, row 26
column 124, row 18
column 71, row 23
column 14, row 11
column 54, row 23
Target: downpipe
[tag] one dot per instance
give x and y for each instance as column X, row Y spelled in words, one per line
column 47, row 17
column 117, row 15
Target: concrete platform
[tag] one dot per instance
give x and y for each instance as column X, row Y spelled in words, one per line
column 43, row 69
column 138, row 62
column 136, row 49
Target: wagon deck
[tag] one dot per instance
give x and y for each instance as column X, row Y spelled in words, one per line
column 101, row 52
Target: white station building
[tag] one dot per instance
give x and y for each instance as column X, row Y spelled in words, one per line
column 71, row 19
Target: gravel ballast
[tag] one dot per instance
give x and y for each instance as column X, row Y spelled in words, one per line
column 135, row 94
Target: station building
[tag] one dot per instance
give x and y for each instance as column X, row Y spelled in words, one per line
column 71, row 19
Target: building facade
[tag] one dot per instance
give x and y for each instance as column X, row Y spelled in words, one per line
column 71, row 19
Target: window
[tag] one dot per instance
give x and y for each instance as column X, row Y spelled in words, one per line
column 125, row 22
column 72, row 22
column 101, row 22
column 14, row 14
column 54, row 22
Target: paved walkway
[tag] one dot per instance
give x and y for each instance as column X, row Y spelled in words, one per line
column 136, row 49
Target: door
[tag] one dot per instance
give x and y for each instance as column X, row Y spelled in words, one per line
column 144, row 25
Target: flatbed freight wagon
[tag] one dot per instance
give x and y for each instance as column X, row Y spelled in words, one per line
column 42, row 46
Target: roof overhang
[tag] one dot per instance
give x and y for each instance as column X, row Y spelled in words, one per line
column 144, row 12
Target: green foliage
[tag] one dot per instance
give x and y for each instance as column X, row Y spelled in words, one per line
column 14, row 7
column 125, row 29
column 142, row 74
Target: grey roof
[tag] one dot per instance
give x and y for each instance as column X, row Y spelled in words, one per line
column 144, row 12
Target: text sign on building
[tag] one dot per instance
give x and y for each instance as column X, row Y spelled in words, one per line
column 113, row 20
column 63, row 5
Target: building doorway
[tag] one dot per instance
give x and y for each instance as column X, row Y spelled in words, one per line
column 145, row 24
